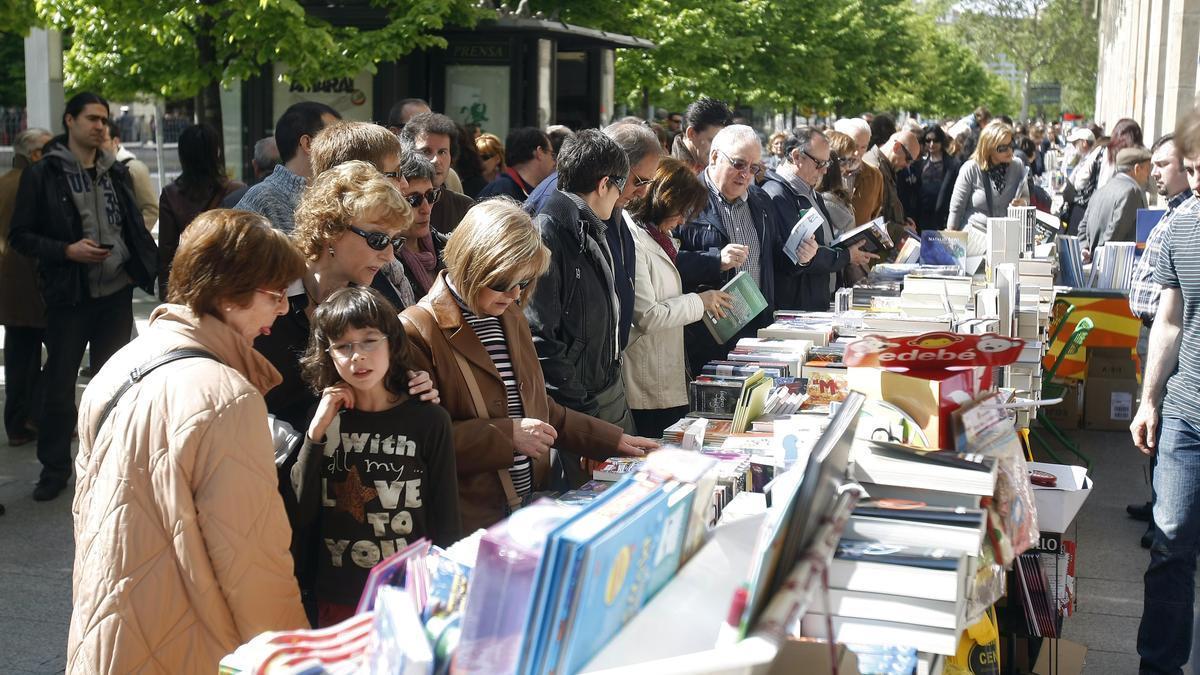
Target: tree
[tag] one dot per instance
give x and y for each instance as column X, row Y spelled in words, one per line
column 127, row 48
column 1030, row 34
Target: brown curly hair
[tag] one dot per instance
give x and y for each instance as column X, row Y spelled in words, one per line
column 342, row 194
column 344, row 310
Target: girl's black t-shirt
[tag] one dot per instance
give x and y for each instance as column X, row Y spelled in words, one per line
column 387, row 480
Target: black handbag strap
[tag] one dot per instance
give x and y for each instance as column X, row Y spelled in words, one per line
column 145, row 369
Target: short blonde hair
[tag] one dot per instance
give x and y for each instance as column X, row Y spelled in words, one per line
column 341, row 194
column 841, row 144
column 344, row 141
column 496, row 242
column 994, row 136
column 490, row 144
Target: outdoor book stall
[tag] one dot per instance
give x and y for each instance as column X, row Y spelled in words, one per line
column 852, row 492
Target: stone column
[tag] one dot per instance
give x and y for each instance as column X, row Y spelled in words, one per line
column 44, row 79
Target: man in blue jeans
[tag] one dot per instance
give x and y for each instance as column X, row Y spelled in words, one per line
column 1167, row 425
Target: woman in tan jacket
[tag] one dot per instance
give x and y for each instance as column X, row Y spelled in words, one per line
column 181, row 541
column 470, row 333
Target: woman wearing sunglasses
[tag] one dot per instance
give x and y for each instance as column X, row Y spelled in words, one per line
column 470, row 331
column 349, row 225
column 422, row 249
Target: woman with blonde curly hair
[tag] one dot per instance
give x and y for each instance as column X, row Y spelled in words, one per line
column 350, row 224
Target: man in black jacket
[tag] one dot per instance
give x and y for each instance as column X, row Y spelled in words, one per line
column 574, row 313
column 529, row 158
column 810, row 284
column 735, row 233
column 76, row 215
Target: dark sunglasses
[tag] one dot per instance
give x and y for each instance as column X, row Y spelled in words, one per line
column 907, row 155
column 431, row 195
column 394, row 175
column 379, row 241
column 638, row 181
column 930, row 140
column 505, row 287
column 486, row 156
column 618, row 182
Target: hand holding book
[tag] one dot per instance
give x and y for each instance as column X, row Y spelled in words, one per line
column 716, row 302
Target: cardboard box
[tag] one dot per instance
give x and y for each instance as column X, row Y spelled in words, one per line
column 1110, row 394
column 927, row 396
column 1060, row 657
column 1058, row 505
column 1068, row 414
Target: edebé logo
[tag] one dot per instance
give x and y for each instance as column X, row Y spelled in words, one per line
column 942, row 354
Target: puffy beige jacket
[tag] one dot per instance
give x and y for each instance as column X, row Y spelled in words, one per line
column 655, row 372
column 181, row 542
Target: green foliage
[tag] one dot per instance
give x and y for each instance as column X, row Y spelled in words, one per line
column 166, row 48
column 1030, row 33
column 823, row 56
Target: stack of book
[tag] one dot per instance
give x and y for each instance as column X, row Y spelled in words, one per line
column 886, row 325
column 863, row 295
column 793, row 352
column 1071, row 261
column 903, row 567
column 935, row 296
column 817, row 328
column 1042, row 618
column 1112, row 266
column 1036, row 276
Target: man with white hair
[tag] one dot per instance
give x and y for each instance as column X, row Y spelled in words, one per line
column 734, row 233
column 864, row 181
column 22, row 312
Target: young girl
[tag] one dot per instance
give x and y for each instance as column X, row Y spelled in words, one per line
column 385, row 474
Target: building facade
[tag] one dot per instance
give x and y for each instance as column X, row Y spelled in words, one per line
column 1149, row 50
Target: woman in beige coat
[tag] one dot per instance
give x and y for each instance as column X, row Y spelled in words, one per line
column 181, row 541
column 655, row 371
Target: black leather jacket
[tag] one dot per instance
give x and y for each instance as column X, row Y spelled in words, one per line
column 45, row 221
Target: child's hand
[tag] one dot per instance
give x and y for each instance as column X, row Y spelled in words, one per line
column 421, row 386
column 333, row 399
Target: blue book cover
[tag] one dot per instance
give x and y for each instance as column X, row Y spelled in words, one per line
column 670, row 546
column 547, row 588
column 618, row 566
column 1147, row 219
column 606, row 520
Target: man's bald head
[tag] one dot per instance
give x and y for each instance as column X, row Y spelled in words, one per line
column 901, row 149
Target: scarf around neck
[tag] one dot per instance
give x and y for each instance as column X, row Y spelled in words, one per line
column 423, row 263
column 663, row 240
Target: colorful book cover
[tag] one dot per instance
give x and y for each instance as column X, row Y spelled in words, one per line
column 669, row 551
column 748, row 302
column 944, row 247
column 617, row 569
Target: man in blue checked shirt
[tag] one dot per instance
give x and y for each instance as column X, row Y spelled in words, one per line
column 1171, row 182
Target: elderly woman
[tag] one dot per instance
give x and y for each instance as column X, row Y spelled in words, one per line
column 774, row 156
column 181, row 541
column 471, row 332
column 422, row 250
column 351, row 222
column 655, row 369
column 986, row 186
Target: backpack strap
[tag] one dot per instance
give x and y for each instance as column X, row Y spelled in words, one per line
column 145, row 369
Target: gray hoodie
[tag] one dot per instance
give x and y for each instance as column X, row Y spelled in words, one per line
column 99, row 209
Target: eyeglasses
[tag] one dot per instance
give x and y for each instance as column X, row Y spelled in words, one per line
column 486, row 156
column 345, row 350
column 394, row 175
column 929, row 140
column 505, row 287
column 379, row 241
column 618, row 182
column 741, row 165
column 638, row 181
column 821, row 164
column 431, row 195
column 278, row 296
column 907, row 155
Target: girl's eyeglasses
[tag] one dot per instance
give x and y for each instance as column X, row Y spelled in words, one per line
column 345, row 350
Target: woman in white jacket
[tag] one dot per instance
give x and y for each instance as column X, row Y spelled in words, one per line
column 655, row 370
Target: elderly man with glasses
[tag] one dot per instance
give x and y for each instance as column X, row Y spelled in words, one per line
column 810, row 282
column 891, row 157
column 736, row 232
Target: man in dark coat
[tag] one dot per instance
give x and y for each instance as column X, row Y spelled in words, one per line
column 76, row 215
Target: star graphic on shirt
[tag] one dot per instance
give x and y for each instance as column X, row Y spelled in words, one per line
column 352, row 496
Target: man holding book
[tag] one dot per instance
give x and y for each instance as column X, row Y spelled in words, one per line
column 1169, row 392
column 734, row 233
column 810, row 282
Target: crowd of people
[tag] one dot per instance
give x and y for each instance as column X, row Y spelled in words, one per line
column 410, row 330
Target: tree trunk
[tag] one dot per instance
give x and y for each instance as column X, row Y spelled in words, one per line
column 1026, row 81
column 208, row 99
column 646, row 104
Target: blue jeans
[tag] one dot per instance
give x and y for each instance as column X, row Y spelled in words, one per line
column 1165, row 634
